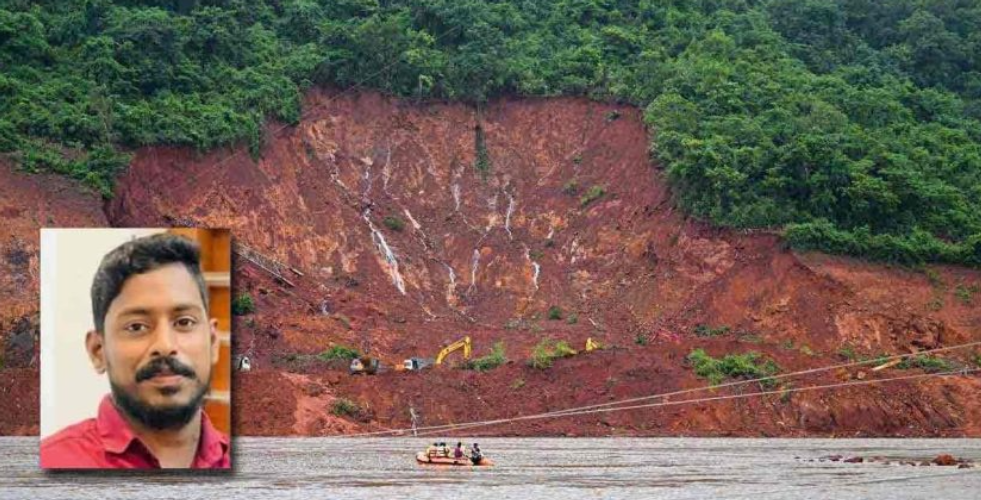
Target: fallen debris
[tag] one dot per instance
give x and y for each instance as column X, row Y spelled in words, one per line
column 944, row 459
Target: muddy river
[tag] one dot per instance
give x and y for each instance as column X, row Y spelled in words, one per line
column 557, row 469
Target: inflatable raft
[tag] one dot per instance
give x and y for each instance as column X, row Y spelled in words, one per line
column 422, row 458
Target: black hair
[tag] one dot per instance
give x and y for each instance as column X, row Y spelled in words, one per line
column 139, row 256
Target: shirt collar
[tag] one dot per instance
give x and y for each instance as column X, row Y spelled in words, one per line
column 213, row 445
column 117, row 435
column 114, row 430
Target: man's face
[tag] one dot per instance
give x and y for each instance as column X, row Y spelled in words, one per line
column 158, row 346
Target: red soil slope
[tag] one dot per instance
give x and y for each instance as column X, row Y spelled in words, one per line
column 493, row 217
column 28, row 202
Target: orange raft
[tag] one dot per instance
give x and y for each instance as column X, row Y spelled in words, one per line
column 422, row 458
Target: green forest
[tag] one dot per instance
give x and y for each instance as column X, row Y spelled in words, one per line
column 853, row 126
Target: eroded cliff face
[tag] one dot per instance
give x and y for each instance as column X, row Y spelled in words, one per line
column 395, row 228
column 27, row 203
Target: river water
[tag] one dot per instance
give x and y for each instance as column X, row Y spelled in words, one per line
column 529, row 468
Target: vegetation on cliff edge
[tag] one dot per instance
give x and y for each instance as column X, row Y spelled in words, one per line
column 853, row 124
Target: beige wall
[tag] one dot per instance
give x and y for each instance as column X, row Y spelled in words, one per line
column 70, row 387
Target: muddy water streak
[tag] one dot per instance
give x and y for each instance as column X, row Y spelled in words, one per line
column 562, row 469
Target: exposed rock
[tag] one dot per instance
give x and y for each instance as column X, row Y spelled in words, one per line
column 18, row 342
column 487, row 255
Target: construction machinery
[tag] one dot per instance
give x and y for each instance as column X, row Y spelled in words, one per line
column 370, row 365
column 416, row 364
column 365, row 365
column 243, row 364
column 463, row 343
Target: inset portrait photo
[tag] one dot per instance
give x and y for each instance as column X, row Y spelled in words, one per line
column 135, row 349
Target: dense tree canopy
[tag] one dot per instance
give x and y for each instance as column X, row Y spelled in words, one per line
column 853, row 124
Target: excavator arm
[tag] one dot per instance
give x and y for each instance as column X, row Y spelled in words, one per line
column 463, row 343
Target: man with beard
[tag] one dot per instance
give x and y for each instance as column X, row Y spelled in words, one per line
column 155, row 341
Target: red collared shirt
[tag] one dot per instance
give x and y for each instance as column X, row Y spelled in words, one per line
column 108, row 442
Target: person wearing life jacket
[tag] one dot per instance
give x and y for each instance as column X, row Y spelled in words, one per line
column 475, row 454
column 431, row 450
column 458, row 451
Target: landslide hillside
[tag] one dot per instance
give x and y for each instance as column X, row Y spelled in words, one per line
column 394, row 228
column 27, row 203
column 649, row 175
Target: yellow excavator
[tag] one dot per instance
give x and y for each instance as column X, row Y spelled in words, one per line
column 463, row 343
column 416, row 364
column 369, row 365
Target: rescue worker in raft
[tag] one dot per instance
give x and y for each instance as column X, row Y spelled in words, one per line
column 475, row 454
column 156, row 342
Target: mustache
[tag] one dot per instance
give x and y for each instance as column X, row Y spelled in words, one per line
column 155, row 367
